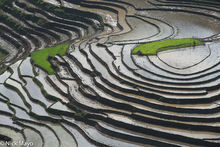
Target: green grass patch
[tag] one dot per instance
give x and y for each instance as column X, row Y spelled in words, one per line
column 5, row 2
column 3, row 54
column 40, row 57
column 154, row 47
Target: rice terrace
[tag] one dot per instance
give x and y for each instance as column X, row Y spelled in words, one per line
column 118, row 73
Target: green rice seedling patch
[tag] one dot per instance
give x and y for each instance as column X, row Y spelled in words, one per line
column 40, row 57
column 154, row 47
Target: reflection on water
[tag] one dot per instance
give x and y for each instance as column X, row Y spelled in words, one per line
column 185, row 57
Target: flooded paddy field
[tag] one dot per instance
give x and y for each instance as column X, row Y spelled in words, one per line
column 99, row 92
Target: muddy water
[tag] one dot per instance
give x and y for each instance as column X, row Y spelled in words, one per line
column 189, row 25
column 26, row 67
column 4, row 107
column 33, row 136
column 145, row 63
column 14, row 135
column 65, row 138
column 50, row 139
column 82, row 59
column 22, row 114
column 80, row 139
column 185, row 57
column 189, row 133
column 130, row 9
column 76, row 94
column 126, row 53
column 126, row 56
column 140, row 29
column 35, row 92
column 164, row 31
column 36, row 108
column 204, row 64
column 172, row 59
column 139, row 3
column 100, row 137
column 115, row 50
column 103, row 70
column 211, row 61
column 49, row 88
column 12, row 96
column 4, row 76
column 61, row 107
column 62, row 87
column 121, row 19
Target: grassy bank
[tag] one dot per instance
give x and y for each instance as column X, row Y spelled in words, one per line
column 154, row 47
column 5, row 2
column 3, row 54
column 40, row 57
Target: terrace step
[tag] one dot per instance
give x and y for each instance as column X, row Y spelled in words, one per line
column 48, row 134
column 13, row 134
column 33, row 137
column 101, row 94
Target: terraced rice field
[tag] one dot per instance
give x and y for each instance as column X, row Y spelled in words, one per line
column 99, row 93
